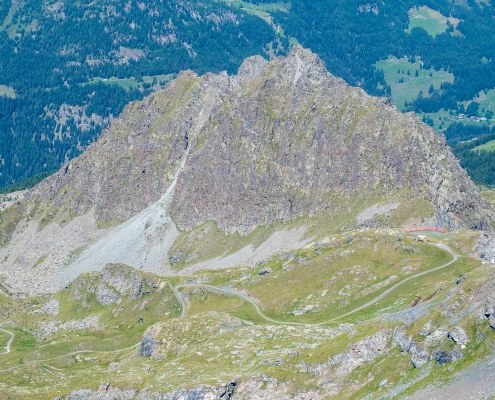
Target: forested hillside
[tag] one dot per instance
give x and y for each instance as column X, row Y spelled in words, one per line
column 67, row 67
column 57, row 58
column 351, row 36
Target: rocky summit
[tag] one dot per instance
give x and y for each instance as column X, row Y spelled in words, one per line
column 259, row 223
column 279, row 142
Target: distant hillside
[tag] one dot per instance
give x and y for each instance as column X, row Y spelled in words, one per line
column 67, row 67
column 352, row 36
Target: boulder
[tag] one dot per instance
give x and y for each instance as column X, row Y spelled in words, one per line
column 427, row 329
column 419, row 356
column 106, row 296
column 444, row 357
column 458, row 335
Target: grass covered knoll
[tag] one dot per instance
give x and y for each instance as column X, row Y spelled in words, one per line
column 4, row 338
column 330, row 279
column 430, row 20
column 80, row 331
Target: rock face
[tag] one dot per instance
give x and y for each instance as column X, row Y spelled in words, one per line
column 363, row 351
column 132, row 163
column 419, row 356
column 458, row 335
column 107, row 392
column 114, row 282
column 444, row 357
column 489, row 310
column 276, row 142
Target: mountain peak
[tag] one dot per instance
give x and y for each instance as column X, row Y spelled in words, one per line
column 283, row 142
column 288, row 122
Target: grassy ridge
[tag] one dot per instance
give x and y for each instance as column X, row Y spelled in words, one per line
column 211, row 345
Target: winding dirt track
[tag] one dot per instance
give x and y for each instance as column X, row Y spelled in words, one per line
column 242, row 296
column 72, row 354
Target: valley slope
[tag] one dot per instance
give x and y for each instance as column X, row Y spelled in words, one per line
column 280, row 187
column 274, row 145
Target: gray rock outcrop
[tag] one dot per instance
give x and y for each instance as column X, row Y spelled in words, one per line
column 444, row 357
column 270, row 144
column 113, row 283
column 419, row 355
column 489, row 310
column 108, row 392
column 105, row 295
column 358, row 354
column 148, row 344
column 458, row 335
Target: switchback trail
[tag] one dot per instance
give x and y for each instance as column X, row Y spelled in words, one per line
column 180, row 299
column 71, row 354
column 242, row 296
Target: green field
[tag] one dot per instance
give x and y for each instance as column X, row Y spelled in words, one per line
column 222, row 335
column 490, row 146
column 261, row 10
column 442, row 119
column 486, row 100
column 12, row 25
column 4, row 338
column 267, row 7
column 132, row 83
column 430, row 20
column 7, row 91
column 407, row 87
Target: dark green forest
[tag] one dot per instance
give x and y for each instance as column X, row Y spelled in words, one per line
column 351, row 42
column 479, row 164
column 50, row 51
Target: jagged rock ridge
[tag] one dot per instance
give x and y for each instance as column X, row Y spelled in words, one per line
column 281, row 140
column 278, row 141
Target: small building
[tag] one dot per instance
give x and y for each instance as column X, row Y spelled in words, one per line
column 421, row 238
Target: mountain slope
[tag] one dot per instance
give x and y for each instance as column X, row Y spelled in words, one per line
column 280, row 138
column 281, row 145
column 272, row 208
column 69, row 67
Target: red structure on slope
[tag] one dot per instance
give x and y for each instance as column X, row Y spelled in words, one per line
column 427, row 228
